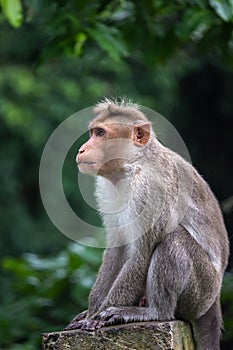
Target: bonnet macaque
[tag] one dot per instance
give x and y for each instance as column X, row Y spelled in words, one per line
column 167, row 246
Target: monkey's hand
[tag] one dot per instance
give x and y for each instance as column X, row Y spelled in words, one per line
column 77, row 321
column 124, row 314
column 110, row 316
column 115, row 315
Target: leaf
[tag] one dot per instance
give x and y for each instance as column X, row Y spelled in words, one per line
column 80, row 41
column 224, row 9
column 12, row 9
column 194, row 21
column 110, row 40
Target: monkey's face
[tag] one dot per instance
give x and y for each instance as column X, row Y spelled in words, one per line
column 109, row 147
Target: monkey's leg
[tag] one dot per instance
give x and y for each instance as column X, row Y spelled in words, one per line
column 174, row 279
column 207, row 329
column 168, row 273
column 199, row 300
column 186, row 285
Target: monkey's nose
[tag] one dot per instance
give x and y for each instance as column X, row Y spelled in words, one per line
column 79, row 155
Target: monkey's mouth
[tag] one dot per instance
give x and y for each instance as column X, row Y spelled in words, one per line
column 87, row 167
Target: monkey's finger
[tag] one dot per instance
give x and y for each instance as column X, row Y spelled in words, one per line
column 71, row 327
column 115, row 319
column 100, row 324
column 74, row 325
column 75, row 322
column 106, row 315
column 102, row 316
column 91, row 325
column 79, row 317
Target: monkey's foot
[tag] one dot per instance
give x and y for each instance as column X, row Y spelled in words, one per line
column 117, row 315
column 87, row 325
column 77, row 321
column 110, row 316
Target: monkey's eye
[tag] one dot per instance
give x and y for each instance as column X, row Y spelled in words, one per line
column 99, row 132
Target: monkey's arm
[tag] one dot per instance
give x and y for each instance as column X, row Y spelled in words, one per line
column 129, row 286
column 125, row 292
column 113, row 260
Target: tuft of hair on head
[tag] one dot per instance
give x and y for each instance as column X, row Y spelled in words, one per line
column 107, row 102
column 123, row 108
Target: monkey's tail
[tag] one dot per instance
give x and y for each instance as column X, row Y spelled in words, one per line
column 207, row 329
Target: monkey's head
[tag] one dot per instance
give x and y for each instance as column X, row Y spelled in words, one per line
column 116, row 134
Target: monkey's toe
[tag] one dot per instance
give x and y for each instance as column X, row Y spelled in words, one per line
column 75, row 324
column 107, row 313
column 110, row 316
column 92, row 325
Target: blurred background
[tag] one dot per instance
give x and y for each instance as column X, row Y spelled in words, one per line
column 57, row 57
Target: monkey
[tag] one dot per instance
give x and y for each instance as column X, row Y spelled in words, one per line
column 167, row 245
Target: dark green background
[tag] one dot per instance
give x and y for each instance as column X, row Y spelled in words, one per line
column 62, row 56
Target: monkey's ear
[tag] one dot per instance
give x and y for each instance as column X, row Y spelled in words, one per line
column 141, row 133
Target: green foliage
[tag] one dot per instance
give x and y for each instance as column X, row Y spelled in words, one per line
column 31, row 108
column 110, row 40
column 196, row 22
column 13, row 11
column 119, row 28
column 44, row 293
column 111, row 48
column 224, row 8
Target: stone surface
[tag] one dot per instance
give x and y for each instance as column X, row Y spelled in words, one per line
column 175, row 335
